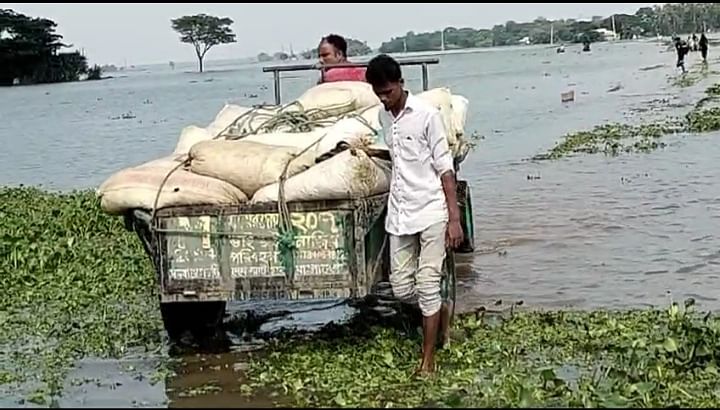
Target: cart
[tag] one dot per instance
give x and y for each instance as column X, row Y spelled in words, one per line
column 208, row 256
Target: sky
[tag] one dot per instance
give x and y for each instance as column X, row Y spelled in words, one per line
column 119, row 33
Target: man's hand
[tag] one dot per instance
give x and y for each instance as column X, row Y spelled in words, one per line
column 454, row 235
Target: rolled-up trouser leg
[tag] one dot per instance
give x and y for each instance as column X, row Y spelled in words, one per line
column 403, row 265
column 416, row 267
column 430, row 263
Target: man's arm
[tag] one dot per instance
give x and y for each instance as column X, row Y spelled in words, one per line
column 450, row 188
column 442, row 161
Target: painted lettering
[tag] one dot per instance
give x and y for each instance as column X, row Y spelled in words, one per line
column 194, row 273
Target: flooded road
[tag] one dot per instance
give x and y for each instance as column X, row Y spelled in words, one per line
column 585, row 231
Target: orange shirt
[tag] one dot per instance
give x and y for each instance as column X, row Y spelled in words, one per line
column 345, row 74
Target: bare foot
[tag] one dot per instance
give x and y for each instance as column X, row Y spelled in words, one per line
column 425, row 370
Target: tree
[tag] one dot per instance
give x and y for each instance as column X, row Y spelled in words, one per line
column 204, row 32
column 357, row 48
column 281, row 55
column 29, row 52
column 264, row 57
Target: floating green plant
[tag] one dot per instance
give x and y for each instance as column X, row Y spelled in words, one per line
column 640, row 358
column 75, row 284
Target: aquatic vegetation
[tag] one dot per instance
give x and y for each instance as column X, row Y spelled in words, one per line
column 713, row 90
column 704, row 120
column 642, row 358
column 687, row 80
column 75, row 284
column 615, row 138
column 199, row 391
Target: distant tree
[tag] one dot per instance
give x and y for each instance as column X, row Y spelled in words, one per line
column 281, row 55
column 357, row 48
column 264, row 57
column 95, row 73
column 204, row 32
column 309, row 54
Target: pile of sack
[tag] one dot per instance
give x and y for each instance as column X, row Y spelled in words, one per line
column 245, row 153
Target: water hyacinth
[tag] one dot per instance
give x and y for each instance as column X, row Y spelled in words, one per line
column 76, row 284
column 639, row 358
column 615, row 138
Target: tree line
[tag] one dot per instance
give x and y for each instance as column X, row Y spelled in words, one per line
column 355, row 48
column 30, row 48
column 668, row 19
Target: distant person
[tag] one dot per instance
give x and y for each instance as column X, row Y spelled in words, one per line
column 704, row 47
column 694, row 43
column 586, row 43
column 682, row 48
column 333, row 50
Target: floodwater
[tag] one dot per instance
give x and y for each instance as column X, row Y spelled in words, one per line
column 592, row 231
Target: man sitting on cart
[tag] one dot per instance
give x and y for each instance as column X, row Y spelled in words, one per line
column 423, row 216
column 333, row 50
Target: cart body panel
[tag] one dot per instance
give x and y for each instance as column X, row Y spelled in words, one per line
column 225, row 253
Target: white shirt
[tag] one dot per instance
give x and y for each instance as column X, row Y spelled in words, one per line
column 420, row 154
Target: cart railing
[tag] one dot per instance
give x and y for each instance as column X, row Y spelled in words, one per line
column 276, row 70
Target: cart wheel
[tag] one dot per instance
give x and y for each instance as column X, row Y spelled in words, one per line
column 202, row 319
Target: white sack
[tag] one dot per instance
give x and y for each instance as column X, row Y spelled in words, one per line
column 190, row 136
column 245, row 164
column 137, row 188
column 441, row 98
column 343, row 176
column 339, row 97
column 459, row 114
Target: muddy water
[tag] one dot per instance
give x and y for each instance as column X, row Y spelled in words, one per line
column 591, row 231
column 631, row 231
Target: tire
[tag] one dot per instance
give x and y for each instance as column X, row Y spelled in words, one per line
column 202, row 319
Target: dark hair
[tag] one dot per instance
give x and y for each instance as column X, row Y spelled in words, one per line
column 382, row 70
column 336, row 41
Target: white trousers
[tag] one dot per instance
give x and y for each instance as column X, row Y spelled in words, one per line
column 416, row 263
